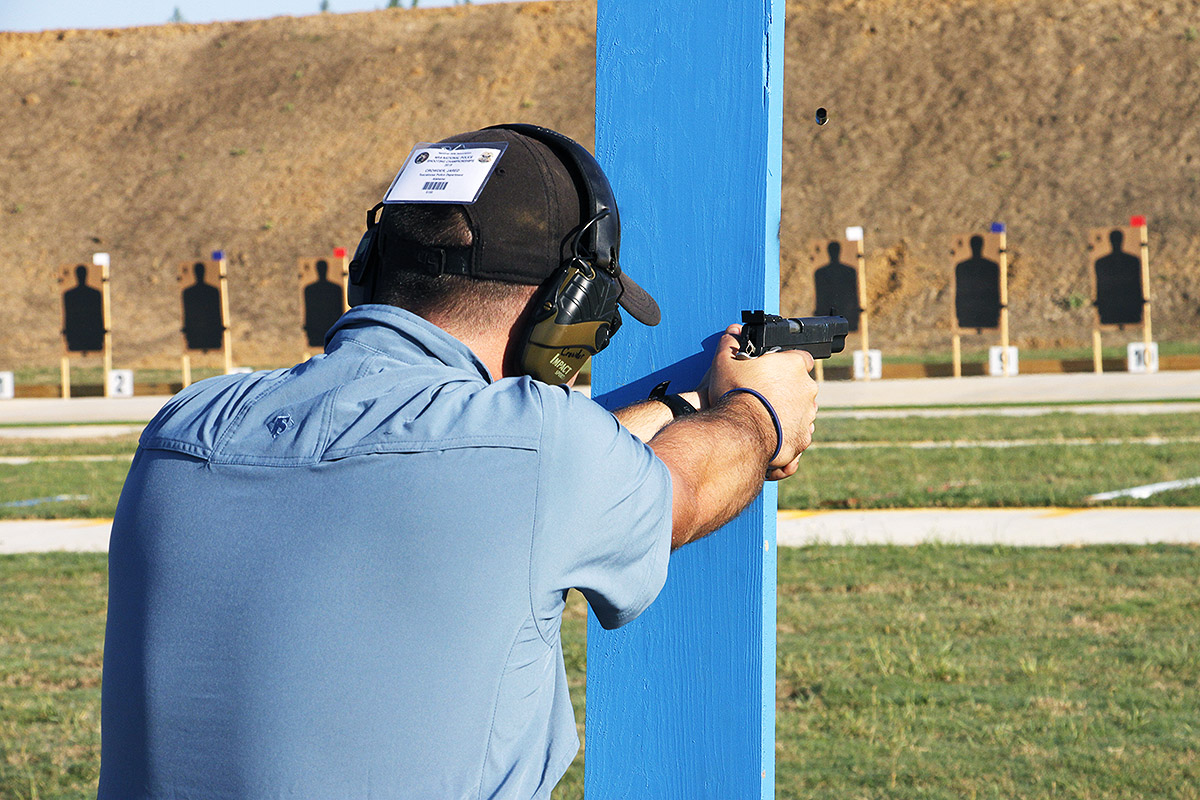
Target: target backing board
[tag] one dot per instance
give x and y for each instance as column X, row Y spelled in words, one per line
column 81, row 286
column 835, row 278
column 1115, row 268
column 200, row 301
column 976, row 269
column 322, row 298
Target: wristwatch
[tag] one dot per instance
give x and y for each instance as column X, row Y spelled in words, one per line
column 679, row 407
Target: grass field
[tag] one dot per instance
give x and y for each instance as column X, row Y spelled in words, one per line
column 1055, row 459
column 927, row 672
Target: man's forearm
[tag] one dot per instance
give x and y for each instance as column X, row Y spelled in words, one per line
column 718, row 460
column 647, row 418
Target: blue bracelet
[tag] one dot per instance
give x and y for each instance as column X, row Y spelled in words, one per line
column 770, row 410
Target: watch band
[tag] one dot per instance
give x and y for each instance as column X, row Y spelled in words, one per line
column 679, row 407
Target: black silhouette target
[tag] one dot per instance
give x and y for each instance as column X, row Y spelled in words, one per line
column 1117, row 275
column 977, row 280
column 834, row 279
column 83, row 308
column 322, row 298
column 203, row 323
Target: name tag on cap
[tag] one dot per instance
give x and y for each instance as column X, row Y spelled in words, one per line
column 445, row 172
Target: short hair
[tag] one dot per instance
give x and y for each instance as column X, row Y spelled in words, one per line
column 458, row 296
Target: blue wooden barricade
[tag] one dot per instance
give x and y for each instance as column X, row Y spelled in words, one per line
column 681, row 703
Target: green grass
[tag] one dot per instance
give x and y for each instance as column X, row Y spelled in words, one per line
column 1060, row 424
column 1042, row 475
column 927, row 672
column 123, row 445
column 51, row 645
column 886, row 472
column 949, row 672
column 881, row 471
column 98, row 481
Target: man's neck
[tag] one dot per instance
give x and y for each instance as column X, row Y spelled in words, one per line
column 488, row 344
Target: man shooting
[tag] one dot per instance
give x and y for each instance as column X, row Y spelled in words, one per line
column 346, row 579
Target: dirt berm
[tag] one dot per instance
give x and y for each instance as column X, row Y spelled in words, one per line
column 269, row 139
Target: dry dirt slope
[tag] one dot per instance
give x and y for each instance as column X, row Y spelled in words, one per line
column 271, row 138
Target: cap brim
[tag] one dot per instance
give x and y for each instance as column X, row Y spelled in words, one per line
column 638, row 302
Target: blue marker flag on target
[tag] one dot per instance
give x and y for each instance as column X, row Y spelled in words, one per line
column 218, row 255
column 997, row 227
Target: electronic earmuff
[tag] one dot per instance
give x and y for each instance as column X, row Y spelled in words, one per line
column 574, row 317
column 574, row 313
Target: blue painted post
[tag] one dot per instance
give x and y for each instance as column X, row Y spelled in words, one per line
column 689, row 93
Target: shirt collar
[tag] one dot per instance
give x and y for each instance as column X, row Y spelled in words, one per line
column 402, row 334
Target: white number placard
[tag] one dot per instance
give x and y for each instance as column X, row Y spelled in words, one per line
column 874, row 362
column 996, row 362
column 1142, row 358
column 120, row 383
column 8, row 386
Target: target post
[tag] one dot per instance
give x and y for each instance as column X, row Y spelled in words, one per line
column 681, row 702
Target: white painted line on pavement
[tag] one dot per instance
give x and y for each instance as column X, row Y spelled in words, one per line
column 1142, row 492
column 37, row 501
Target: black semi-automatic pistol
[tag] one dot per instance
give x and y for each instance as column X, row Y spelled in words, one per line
column 764, row 333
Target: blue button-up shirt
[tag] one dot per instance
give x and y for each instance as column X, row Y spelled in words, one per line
column 346, row 579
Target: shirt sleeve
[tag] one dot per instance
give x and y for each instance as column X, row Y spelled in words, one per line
column 603, row 523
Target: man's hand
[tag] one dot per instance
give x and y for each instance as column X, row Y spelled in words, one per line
column 784, row 379
column 719, row 456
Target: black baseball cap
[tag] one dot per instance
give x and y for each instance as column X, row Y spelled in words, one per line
column 524, row 220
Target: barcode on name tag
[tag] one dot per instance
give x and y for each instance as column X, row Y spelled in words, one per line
column 435, row 186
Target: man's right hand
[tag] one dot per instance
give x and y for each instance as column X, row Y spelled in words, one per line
column 718, row 457
column 784, row 378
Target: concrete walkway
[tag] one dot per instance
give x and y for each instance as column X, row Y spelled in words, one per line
column 55, row 410
column 46, row 535
column 1083, row 387
column 1108, row 392
column 1030, row 527
column 1027, row 527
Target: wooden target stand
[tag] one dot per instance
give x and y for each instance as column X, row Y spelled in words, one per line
column 994, row 250
column 316, row 301
column 1111, row 314
column 838, row 290
column 87, row 316
column 205, row 309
